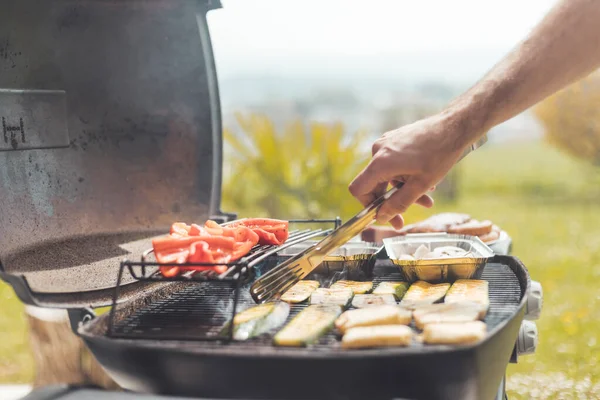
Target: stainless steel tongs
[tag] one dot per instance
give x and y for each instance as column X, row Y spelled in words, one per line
column 281, row 278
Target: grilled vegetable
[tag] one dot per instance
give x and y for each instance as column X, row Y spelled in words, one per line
column 370, row 300
column 377, row 336
column 422, row 292
column 257, row 320
column 373, row 316
column 308, row 326
column 211, row 244
column 300, row 291
column 470, row 290
column 454, row 333
column 357, row 287
column 444, row 312
column 398, row 289
column 339, row 297
column 269, row 231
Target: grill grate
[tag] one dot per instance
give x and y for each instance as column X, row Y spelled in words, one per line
column 200, row 309
column 227, row 284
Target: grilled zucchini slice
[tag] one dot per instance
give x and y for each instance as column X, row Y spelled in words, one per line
column 454, row 333
column 470, row 290
column 370, row 300
column 422, row 292
column 377, row 336
column 339, row 297
column 308, row 326
column 356, row 286
column 300, row 292
column 446, row 312
column 373, row 316
column 257, row 320
column 398, row 289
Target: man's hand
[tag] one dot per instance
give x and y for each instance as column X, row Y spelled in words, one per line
column 564, row 47
column 420, row 155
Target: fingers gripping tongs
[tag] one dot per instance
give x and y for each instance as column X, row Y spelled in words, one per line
column 281, row 278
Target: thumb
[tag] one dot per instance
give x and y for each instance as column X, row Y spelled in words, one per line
column 408, row 194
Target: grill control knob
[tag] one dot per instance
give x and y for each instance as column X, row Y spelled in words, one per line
column 528, row 338
column 533, row 307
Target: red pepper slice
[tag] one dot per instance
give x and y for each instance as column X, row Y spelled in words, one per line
column 169, row 243
column 213, row 228
column 214, row 244
column 176, row 257
column 197, row 230
column 180, row 229
column 270, row 231
column 242, row 234
column 213, row 250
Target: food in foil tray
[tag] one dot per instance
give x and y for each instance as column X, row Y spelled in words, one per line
column 308, row 326
column 340, row 297
column 300, row 292
column 423, row 252
column 257, row 320
column 454, row 333
column 398, row 289
column 214, row 244
column 422, row 292
column 370, row 300
column 357, row 287
column 373, row 316
column 377, row 336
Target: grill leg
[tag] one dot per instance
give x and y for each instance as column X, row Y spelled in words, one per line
column 501, row 394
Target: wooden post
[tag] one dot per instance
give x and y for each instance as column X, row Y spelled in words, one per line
column 60, row 356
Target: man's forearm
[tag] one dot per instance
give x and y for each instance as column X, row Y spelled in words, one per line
column 564, row 47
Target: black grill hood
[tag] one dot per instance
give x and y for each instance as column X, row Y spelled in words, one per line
column 110, row 130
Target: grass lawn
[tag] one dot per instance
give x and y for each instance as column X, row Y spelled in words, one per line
column 550, row 205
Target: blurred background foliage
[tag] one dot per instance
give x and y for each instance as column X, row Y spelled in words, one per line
column 299, row 171
column 571, row 119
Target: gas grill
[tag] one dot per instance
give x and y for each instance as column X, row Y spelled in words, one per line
column 111, row 131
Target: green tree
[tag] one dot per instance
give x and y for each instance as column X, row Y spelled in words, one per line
column 301, row 171
column 571, row 119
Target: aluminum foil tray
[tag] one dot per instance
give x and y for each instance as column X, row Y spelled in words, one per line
column 438, row 269
column 355, row 259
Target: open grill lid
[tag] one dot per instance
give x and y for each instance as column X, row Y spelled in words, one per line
column 110, row 130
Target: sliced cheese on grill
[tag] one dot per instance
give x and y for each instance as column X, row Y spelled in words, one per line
column 470, row 290
column 370, row 300
column 454, row 333
column 377, row 336
column 398, row 289
column 444, row 312
column 357, row 287
column 422, row 292
column 340, row 297
column 372, row 316
column 300, row 292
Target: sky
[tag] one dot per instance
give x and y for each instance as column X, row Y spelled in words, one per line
column 426, row 39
